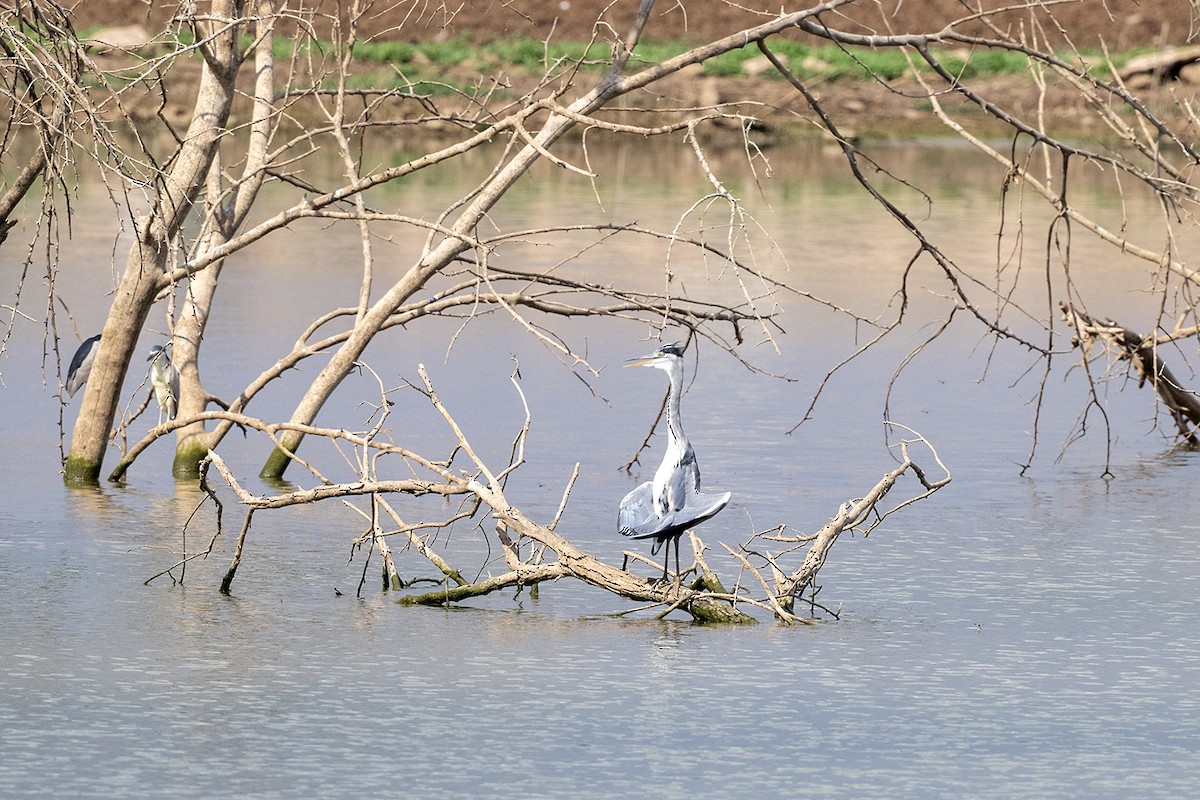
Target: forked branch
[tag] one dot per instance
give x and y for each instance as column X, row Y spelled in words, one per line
column 534, row 553
column 862, row 514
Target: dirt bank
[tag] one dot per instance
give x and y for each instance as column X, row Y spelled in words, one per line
column 863, row 107
column 1122, row 24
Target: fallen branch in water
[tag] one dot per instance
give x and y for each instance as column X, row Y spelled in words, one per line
column 534, row 553
column 855, row 513
column 1142, row 353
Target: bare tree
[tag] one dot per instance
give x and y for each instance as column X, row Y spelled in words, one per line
column 146, row 275
column 562, row 101
column 530, row 126
column 218, row 165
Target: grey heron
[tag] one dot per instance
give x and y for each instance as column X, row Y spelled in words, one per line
column 665, row 508
column 165, row 379
column 81, row 364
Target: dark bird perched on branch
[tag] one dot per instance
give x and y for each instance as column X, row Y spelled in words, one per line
column 81, row 364
column 665, row 508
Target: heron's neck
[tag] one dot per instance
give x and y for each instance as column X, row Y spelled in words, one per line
column 674, row 423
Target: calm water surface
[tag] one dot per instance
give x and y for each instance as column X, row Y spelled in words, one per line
column 1015, row 636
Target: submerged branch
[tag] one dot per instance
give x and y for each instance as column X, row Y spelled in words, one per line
column 1142, row 354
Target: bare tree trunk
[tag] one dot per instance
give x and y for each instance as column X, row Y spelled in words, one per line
column 144, row 277
column 193, row 440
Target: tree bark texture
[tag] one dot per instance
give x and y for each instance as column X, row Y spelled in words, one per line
column 193, row 441
column 143, row 277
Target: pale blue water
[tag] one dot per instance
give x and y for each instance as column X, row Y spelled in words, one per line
column 1014, row 636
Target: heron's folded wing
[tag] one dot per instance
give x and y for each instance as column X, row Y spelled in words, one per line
column 77, row 373
column 636, row 509
column 642, row 523
column 701, row 506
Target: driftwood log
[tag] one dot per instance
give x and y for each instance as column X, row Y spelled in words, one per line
column 534, row 553
column 1172, row 64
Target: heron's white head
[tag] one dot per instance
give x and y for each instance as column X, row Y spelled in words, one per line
column 666, row 357
column 158, row 353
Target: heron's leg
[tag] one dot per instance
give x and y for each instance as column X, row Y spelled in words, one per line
column 666, row 559
column 677, row 575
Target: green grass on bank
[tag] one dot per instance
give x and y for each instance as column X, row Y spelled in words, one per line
column 423, row 66
column 807, row 61
column 398, row 63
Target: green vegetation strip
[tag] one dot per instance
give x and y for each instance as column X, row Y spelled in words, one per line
column 826, row 61
column 423, row 65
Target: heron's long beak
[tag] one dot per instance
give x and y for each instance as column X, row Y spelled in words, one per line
column 644, row 361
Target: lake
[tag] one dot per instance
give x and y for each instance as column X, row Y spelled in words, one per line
column 1022, row 633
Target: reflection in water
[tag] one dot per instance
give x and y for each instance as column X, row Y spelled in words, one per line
column 1016, row 636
